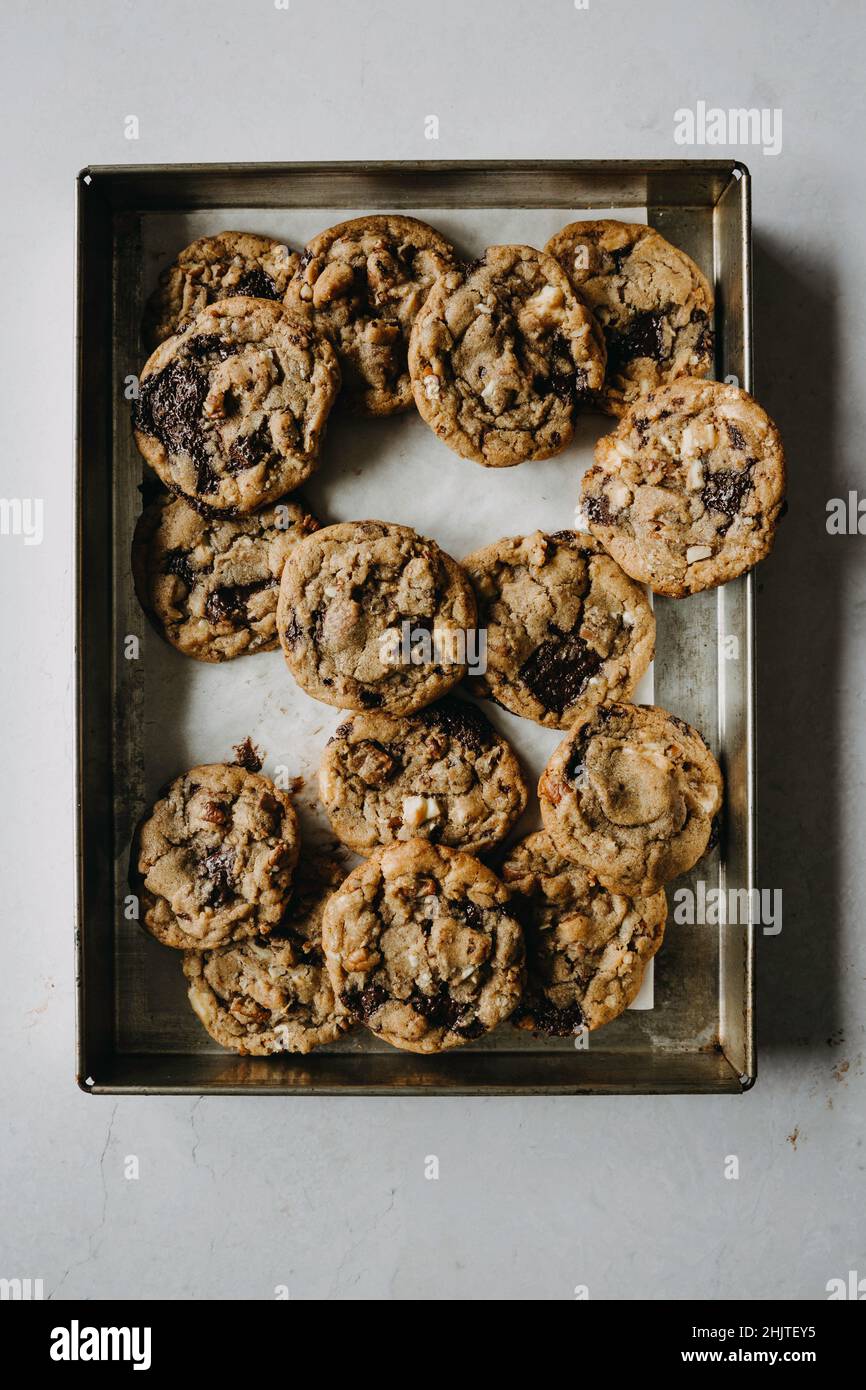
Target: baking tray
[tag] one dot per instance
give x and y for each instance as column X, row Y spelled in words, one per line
column 135, row 1032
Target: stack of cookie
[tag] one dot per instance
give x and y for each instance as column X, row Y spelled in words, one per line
column 424, row 942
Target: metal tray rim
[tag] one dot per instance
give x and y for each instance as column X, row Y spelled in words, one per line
column 740, row 1082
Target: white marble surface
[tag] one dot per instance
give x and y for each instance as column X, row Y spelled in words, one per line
column 535, row 1197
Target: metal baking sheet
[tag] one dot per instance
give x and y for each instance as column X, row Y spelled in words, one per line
column 146, row 718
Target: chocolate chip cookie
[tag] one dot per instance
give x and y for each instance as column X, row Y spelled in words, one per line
column 216, row 267
column 210, row 585
column 653, row 303
column 443, row 774
column 630, row 795
column 231, row 413
column 686, row 493
column 272, row 994
column 565, row 627
column 373, row 616
column 213, row 861
column 421, row 945
column 586, row 948
column 502, row 354
column 365, row 281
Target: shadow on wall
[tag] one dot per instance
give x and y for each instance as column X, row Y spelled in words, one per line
column 800, row 644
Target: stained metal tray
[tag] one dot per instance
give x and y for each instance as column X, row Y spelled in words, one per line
column 135, row 1033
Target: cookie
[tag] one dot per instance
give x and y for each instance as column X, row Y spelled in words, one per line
column 586, row 948
column 565, row 627
column 213, row 861
column 272, row 994
column 210, row 585
column 353, row 597
column 231, row 413
column 443, row 774
column 502, row 354
column 686, row 492
column 653, row 303
column 216, row 267
column 365, row 281
column 421, row 945
column 630, row 795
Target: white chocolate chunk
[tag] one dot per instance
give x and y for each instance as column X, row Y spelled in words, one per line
column 418, row 809
column 618, row 495
column 695, row 476
column 698, row 552
column 697, row 438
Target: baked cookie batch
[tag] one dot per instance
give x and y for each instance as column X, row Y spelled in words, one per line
column 425, row 942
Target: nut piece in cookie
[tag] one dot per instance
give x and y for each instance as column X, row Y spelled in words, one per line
column 630, row 796
column 586, row 948
column 372, row 616
column 231, row 413
column 216, row 267
column 443, row 774
column 653, row 303
column 212, row 863
column 364, row 282
column 272, row 994
column 566, row 628
column 686, row 492
column 210, row 584
column 501, row 356
column 422, row 946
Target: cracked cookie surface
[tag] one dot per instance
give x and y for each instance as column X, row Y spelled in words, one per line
column 364, row 282
column 216, row 267
column 630, row 795
column 443, row 774
column 586, row 948
column 213, row 861
column 502, row 354
column 231, row 413
column 566, row 628
column 345, row 595
column 273, row 994
column 654, row 305
column 686, row 492
column 209, row 584
column 422, row 946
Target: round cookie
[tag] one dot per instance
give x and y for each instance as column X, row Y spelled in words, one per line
column 630, row 795
column 216, row 267
column 210, row 585
column 273, row 994
column 443, row 774
column 213, row 861
column 653, row 303
column 365, row 281
column 686, row 492
column 421, row 945
column 565, row 627
column 501, row 355
column 231, row 413
column 586, row 948
column 352, row 597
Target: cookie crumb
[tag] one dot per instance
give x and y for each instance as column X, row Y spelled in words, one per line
column 248, row 756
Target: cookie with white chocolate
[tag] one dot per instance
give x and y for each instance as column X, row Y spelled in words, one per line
column 364, row 282
column 502, row 356
column 443, row 774
column 422, row 946
column 686, row 492
column 653, row 303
